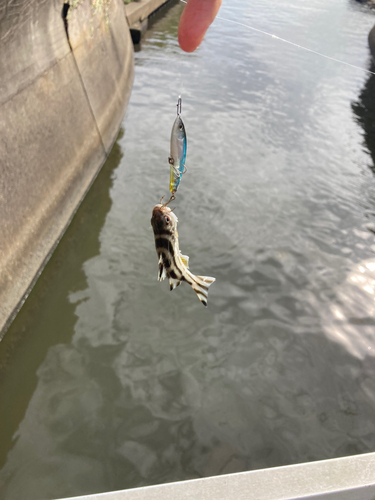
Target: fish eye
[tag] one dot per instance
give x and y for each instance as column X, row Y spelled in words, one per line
column 180, row 126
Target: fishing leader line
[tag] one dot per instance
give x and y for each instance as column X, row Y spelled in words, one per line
column 292, row 43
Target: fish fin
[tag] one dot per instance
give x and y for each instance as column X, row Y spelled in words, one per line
column 185, row 260
column 208, row 280
column 162, row 274
column 173, row 283
column 200, row 286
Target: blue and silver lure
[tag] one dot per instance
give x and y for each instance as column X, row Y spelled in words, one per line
column 177, row 156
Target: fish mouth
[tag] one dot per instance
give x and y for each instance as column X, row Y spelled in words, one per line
column 159, row 214
column 160, row 211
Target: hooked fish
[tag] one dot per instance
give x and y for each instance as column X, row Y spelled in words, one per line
column 177, row 156
column 172, row 263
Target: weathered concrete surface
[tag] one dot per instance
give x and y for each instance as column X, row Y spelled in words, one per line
column 61, row 105
column 105, row 67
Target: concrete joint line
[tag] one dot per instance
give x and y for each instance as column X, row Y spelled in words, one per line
column 64, row 15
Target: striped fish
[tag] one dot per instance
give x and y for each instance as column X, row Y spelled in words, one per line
column 172, row 264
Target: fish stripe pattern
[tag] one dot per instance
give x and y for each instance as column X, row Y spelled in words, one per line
column 171, row 265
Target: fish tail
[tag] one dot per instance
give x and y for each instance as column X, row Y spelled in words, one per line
column 200, row 286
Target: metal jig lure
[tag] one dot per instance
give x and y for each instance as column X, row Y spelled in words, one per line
column 177, row 155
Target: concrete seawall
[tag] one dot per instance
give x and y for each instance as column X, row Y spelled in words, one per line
column 66, row 76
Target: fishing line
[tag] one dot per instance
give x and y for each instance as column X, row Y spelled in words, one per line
column 292, row 43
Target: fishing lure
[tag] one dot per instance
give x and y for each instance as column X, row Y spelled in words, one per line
column 172, row 263
column 177, row 156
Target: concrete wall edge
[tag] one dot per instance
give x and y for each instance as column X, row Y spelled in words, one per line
column 19, row 305
column 57, row 129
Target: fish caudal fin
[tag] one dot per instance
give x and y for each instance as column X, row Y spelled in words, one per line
column 200, row 286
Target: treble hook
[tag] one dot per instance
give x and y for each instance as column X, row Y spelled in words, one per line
column 170, row 199
column 179, row 102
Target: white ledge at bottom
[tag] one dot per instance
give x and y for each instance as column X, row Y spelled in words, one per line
column 348, row 478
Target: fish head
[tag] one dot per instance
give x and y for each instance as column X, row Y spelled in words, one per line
column 163, row 219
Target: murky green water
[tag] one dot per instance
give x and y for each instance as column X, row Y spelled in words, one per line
column 110, row 381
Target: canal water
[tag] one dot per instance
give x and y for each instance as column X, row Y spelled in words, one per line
column 111, row 381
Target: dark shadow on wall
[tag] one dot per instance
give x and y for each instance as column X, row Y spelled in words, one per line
column 370, row 3
column 364, row 110
column 48, row 317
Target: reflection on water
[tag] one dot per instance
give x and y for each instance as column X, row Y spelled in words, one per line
column 136, row 385
column 350, row 319
column 48, row 318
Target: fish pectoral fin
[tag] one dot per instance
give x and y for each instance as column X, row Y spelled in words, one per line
column 185, row 260
column 173, row 283
column 162, row 274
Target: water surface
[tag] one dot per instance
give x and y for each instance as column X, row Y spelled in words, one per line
column 109, row 380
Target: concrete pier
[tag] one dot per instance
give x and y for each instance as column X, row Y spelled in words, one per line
column 66, row 76
column 138, row 13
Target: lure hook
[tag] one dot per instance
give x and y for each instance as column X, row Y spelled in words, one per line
column 170, row 199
